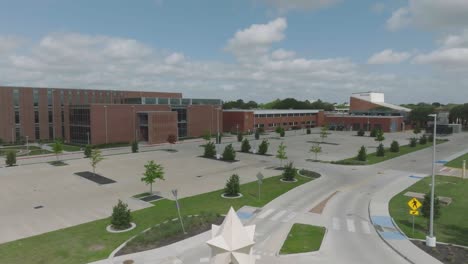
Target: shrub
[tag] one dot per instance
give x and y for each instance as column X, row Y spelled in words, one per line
column 308, row 131
column 430, row 138
column 87, row 151
column 423, row 140
column 282, row 133
column 245, row 146
column 426, row 206
column 279, row 129
column 373, row 133
column 395, row 147
column 380, row 136
column 10, row 158
column 380, row 150
column 361, row 132
column 121, row 216
column 263, row 148
column 417, row 129
column 239, row 137
column 171, row 139
column 134, row 147
column 362, row 155
column 229, row 153
column 232, row 186
column 257, row 134
column 210, row 150
column 413, row 142
column 289, row 172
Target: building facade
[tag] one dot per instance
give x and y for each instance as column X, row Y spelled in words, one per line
column 85, row 116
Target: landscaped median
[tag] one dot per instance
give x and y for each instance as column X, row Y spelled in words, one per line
column 90, row 241
column 372, row 158
column 458, row 162
column 303, row 238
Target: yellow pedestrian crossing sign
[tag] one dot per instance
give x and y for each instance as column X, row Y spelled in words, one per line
column 413, row 212
column 414, row 204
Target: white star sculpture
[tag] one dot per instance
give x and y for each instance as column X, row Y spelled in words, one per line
column 232, row 242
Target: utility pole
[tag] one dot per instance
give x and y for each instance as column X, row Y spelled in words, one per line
column 174, row 192
column 431, row 239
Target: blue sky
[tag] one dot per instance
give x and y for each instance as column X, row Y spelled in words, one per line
column 184, row 46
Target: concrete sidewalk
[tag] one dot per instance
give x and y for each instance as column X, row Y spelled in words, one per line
column 387, row 229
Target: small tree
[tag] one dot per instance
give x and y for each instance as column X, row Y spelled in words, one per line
column 210, row 150
column 362, row 154
column 171, row 139
column 257, row 134
column 153, row 171
column 380, row 150
column 87, row 151
column 379, row 136
column 232, row 186
column 10, row 158
column 426, row 207
column 373, row 133
column 135, row 146
column 395, row 147
column 324, row 132
column 96, row 157
column 413, row 142
column 121, row 217
column 417, row 129
column 278, row 129
column 423, row 140
column 289, row 172
column 361, row 132
column 240, row 136
column 263, row 148
column 229, row 154
column 281, row 153
column 245, row 146
column 308, row 131
column 57, row 148
column 316, row 149
column 282, row 133
column 206, row 135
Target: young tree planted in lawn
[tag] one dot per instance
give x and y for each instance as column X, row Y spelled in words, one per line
column 289, row 172
column 316, row 149
column 121, row 217
column 135, row 146
column 380, row 135
column 257, row 134
column 240, row 136
column 373, row 133
column 361, row 132
column 263, row 148
column 281, row 153
column 380, row 150
column 413, row 142
column 87, row 151
column 423, row 140
column 395, row 147
column 57, row 148
column 245, row 147
column 426, row 207
column 96, row 157
column 362, row 154
column 278, row 129
column 171, row 139
column 229, row 154
column 10, row 158
column 232, row 186
column 153, row 171
column 417, row 129
column 282, row 133
column 308, row 131
column 210, row 150
column 324, row 132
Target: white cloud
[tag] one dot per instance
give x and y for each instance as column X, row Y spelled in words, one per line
column 8, row 43
column 431, row 14
column 286, row 5
column 282, row 54
column 388, row 56
column 377, row 8
column 175, row 58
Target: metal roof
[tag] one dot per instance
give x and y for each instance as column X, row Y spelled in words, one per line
column 275, row 111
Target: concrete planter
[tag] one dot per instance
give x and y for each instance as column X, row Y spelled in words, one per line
column 112, row 230
column 239, row 195
column 282, row 180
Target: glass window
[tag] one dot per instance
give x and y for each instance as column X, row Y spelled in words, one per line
column 18, row 133
column 37, row 133
column 17, row 117
column 62, row 116
column 49, row 97
column 277, row 115
column 185, row 101
column 61, row 98
column 175, row 101
column 36, row 97
column 151, row 101
column 36, row 116
column 50, row 116
column 51, row 132
column 16, row 97
column 163, row 101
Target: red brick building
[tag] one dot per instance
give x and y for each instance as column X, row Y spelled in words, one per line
column 103, row 116
column 248, row 120
column 366, row 123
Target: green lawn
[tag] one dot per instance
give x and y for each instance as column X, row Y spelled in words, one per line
column 452, row 226
column 458, row 162
column 90, row 241
column 373, row 159
column 303, row 238
column 68, row 148
column 33, row 150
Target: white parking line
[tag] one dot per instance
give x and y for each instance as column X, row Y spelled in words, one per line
column 266, row 213
column 365, row 227
column 336, row 223
column 350, row 224
column 278, row 215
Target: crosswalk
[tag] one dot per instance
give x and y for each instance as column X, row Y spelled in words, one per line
column 351, row 225
column 271, row 214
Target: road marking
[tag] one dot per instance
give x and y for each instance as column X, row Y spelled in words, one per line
column 350, row 224
column 278, row 215
column 204, row 260
column 336, row 223
column 365, row 227
column 289, row 217
column 266, row 213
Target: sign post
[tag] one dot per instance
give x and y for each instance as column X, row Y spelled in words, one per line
column 174, row 192
column 259, row 178
column 414, row 204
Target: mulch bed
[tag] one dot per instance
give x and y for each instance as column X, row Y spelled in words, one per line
column 267, row 155
column 151, row 198
column 326, row 143
column 228, row 161
column 95, row 177
column 445, row 253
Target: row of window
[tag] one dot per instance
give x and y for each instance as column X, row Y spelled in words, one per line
column 37, row 133
column 36, row 116
column 284, row 124
column 283, row 115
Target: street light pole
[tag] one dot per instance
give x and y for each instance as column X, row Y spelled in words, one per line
column 87, row 133
column 431, row 239
column 174, row 192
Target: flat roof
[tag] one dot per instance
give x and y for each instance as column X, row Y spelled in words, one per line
column 363, row 116
column 275, row 111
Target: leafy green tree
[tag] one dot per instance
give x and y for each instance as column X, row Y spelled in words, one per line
column 10, row 158
column 420, row 114
column 257, row 134
column 95, row 158
column 153, row 171
column 308, row 131
column 426, row 207
column 240, row 136
column 135, row 146
column 121, row 216
column 373, row 132
column 245, row 146
column 87, row 151
column 379, row 136
column 282, row 133
column 232, row 186
column 395, row 147
column 423, row 140
column 229, row 154
column 240, row 104
column 210, row 150
column 281, row 153
column 362, row 154
column 324, row 132
column 417, row 129
column 171, row 139
column 57, row 148
column 263, row 148
column 380, row 150
column 361, row 132
column 289, row 172
column 316, row 149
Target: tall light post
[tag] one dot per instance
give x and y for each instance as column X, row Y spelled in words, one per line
column 218, row 139
column 431, row 239
column 87, row 133
column 174, row 192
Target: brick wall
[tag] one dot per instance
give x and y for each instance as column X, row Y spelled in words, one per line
column 161, row 125
column 356, row 104
column 202, row 118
